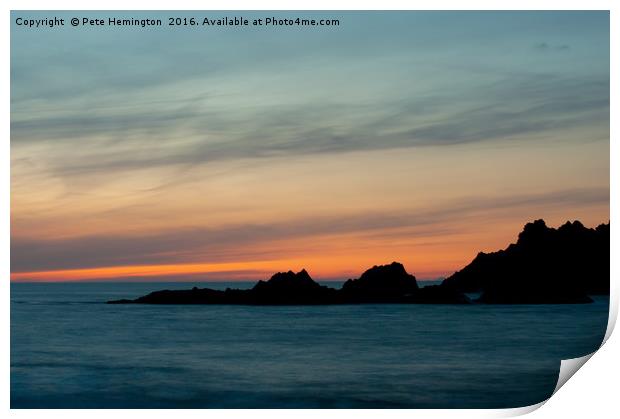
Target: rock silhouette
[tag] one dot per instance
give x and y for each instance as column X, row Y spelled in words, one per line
column 545, row 265
column 291, row 288
column 380, row 284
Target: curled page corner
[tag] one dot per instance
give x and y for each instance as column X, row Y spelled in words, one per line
column 520, row 411
column 568, row 367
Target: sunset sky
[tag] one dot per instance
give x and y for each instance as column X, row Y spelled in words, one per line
column 180, row 153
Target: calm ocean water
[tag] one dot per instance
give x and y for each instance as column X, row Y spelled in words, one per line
column 69, row 349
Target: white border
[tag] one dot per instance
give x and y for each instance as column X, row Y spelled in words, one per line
column 592, row 394
column 311, row 5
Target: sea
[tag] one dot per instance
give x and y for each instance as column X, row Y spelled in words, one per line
column 71, row 350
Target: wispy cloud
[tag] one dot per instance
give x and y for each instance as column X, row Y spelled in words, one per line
column 199, row 131
column 543, row 46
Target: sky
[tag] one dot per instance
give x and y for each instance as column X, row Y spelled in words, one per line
column 202, row 153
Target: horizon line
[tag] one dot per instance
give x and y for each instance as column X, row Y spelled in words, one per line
column 158, row 273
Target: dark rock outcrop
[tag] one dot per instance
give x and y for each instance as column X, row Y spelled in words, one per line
column 392, row 284
column 387, row 283
column 546, row 265
column 193, row 296
column 380, row 284
column 292, row 288
column 284, row 288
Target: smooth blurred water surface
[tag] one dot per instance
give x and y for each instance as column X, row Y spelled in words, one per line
column 70, row 350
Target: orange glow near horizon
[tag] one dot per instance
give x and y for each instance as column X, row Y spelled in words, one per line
column 324, row 257
column 134, row 271
column 263, row 269
column 224, row 270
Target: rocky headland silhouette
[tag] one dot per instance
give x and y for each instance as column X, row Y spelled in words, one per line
column 379, row 284
column 545, row 266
